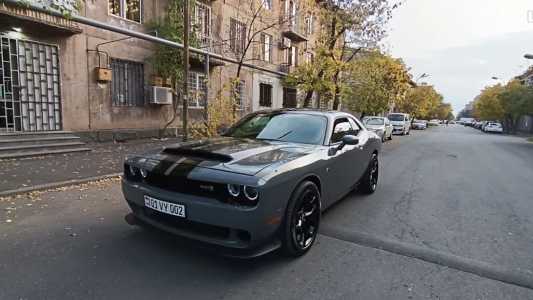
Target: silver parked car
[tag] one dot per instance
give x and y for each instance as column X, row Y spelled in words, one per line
column 380, row 125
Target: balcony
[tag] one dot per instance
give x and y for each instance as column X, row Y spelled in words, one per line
column 292, row 27
column 210, row 44
column 34, row 20
column 286, row 68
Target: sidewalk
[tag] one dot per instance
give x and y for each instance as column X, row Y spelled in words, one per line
column 106, row 158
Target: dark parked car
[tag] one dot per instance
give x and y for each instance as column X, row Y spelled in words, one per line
column 260, row 186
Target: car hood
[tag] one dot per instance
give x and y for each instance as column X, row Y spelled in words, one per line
column 243, row 156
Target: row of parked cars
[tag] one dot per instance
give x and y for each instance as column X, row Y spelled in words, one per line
column 393, row 124
column 486, row 126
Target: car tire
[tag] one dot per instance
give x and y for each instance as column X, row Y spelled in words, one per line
column 368, row 184
column 296, row 243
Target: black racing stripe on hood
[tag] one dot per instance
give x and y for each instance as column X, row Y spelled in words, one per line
column 198, row 153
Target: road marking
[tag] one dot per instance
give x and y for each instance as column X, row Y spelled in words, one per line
column 510, row 276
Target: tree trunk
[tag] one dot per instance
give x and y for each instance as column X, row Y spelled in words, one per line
column 308, row 98
column 336, row 92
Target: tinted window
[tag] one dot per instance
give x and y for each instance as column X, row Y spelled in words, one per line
column 341, row 128
column 295, row 128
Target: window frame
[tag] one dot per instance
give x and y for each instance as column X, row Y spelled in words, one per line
column 234, row 37
column 196, row 18
column 269, row 6
column 122, row 11
column 241, row 93
column 125, row 85
column 196, row 90
column 262, row 95
column 266, row 48
column 350, row 121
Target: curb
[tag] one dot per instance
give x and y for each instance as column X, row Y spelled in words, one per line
column 54, row 185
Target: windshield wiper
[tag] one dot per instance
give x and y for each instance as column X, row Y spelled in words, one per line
column 285, row 134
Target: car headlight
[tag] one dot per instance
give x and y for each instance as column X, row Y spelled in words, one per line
column 133, row 170
column 251, row 193
column 234, row 190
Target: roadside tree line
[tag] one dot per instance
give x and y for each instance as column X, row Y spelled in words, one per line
column 505, row 103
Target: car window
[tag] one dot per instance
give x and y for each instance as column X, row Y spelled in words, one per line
column 374, row 121
column 286, row 127
column 396, row 117
column 341, row 128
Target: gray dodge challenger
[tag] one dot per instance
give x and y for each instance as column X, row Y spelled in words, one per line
column 261, row 186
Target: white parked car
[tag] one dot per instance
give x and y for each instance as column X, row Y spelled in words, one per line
column 380, row 125
column 493, row 127
column 434, row 122
column 401, row 123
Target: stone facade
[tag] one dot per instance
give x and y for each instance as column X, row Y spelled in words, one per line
column 87, row 104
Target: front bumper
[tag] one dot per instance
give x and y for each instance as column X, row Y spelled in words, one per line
column 398, row 129
column 243, row 229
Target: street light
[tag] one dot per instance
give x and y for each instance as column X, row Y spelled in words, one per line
column 528, row 56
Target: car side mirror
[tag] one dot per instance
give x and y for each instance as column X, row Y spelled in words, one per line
column 348, row 140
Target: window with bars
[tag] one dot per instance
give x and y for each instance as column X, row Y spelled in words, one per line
column 266, row 47
column 127, row 86
column 265, row 95
column 197, row 90
column 127, row 9
column 237, row 36
column 202, row 19
column 240, row 92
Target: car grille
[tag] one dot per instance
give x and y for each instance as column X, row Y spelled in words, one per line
column 181, row 184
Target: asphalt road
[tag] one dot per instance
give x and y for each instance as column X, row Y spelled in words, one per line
column 451, row 191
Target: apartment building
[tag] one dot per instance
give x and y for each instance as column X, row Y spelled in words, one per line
column 60, row 75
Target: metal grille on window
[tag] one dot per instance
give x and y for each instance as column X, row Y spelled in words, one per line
column 237, row 36
column 240, row 100
column 127, row 87
column 197, row 85
column 29, row 86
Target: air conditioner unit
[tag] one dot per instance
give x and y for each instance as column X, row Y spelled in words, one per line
column 285, row 43
column 160, row 95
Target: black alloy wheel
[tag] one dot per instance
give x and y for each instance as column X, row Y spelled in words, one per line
column 369, row 182
column 302, row 220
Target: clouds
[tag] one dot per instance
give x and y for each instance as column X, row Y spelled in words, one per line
column 462, row 44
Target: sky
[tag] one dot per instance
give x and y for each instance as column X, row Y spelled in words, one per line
column 462, row 44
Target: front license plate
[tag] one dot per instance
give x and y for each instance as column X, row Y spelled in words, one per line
column 165, row 207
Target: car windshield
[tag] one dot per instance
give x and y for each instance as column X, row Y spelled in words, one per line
column 374, row 121
column 394, row 117
column 286, row 127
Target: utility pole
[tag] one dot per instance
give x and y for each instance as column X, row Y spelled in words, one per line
column 185, row 113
